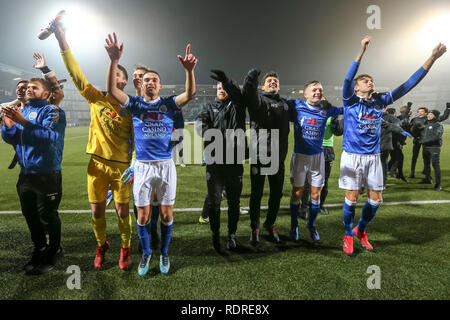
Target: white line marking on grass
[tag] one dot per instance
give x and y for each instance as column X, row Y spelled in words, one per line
column 333, row 205
column 77, row 137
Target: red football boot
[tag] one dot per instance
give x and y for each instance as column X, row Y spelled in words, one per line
column 100, row 255
column 362, row 236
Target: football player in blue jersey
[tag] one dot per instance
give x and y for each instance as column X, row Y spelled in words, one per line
column 154, row 170
column 308, row 162
column 360, row 160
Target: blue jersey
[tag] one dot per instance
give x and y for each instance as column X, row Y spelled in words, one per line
column 309, row 127
column 362, row 117
column 39, row 145
column 153, row 125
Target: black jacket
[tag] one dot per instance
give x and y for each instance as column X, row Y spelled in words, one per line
column 389, row 125
column 224, row 115
column 418, row 124
column 432, row 133
column 268, row 111
column 337, row 125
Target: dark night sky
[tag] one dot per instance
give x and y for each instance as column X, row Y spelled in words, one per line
column 302, row 40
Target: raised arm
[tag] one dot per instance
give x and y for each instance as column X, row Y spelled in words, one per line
column 446, row 113
column 57, row 94
column 90, row 93
column 250, row 90
column 230, row 87
column 438, row 51
column 114, row 53
column 188, row 62
column 348, row 89
column 403, row 89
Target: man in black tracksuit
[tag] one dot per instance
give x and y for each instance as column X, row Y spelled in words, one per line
column 224, row 168
column 416, row 125
column 389, row 125
column 267, row 111
column 431, row 140
column 395, row 164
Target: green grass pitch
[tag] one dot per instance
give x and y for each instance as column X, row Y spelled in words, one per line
column 412, row 245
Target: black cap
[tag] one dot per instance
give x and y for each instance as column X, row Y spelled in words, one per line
column 435, row 112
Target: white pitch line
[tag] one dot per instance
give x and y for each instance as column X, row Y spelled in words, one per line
column 77, row 137
column 333, row 205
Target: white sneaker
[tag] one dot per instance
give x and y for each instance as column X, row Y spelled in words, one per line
column 45, row 33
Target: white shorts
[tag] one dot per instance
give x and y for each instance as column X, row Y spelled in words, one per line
column 154, row 177
column 361, row 170
column 307, row 167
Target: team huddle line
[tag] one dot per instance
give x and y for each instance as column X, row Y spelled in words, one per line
column 131, row 142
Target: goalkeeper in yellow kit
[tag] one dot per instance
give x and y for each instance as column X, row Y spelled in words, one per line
column 110, row 133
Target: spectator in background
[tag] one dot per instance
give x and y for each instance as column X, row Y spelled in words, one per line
column 395, row 164
column 431, row 139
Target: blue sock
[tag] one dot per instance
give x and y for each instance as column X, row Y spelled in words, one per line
column 314, row 209
column 144, row 238
column 154, row 219
column 166, row 235
column 294, row 214
column 368, row 213
column 349, row 214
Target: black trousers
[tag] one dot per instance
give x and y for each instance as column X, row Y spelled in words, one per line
column 257, row 180
column 384, row 164
column 431, row 156
column 396, row 162
column 40, row 196
column 218, row 177
column 415, row 155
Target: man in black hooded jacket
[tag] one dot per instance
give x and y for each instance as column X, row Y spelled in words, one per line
column 224, row 168
column 431, row 140
column 269, row 120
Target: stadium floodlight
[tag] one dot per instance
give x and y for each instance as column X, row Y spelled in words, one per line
column 82, row 25
column 437, row 30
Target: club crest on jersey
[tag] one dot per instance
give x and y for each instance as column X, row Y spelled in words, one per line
column 163, row 109
column 32, row 116
column 323, row 113
column 286, row 107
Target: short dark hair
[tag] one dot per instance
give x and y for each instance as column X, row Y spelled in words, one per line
column 45, row 83
column 272, row 74
column 21, row 81
column 423, row 108
column 390, row 110
column 125, row 73
column 155, row 72
column 310, row 83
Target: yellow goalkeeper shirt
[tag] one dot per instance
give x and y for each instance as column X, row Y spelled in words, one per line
column 110, row 130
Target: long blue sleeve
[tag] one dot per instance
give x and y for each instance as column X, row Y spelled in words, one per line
column 52, row 127
column 11, row 135
column 402, row 90
column 348, row 90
